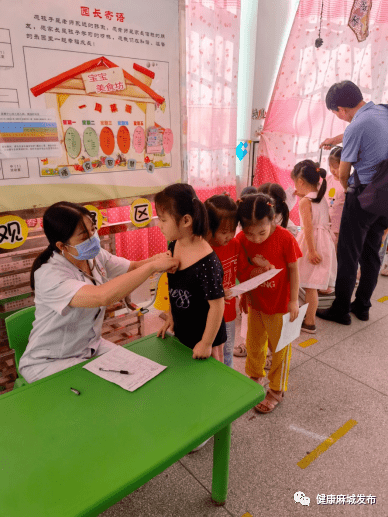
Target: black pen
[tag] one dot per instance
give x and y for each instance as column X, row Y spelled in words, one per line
column 117, row 371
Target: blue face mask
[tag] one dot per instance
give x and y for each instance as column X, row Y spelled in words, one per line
column 88, row 249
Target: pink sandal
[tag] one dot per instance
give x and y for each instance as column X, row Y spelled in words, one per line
column 271, row 401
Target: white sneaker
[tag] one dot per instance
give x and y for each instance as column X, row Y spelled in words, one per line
column 199, row 446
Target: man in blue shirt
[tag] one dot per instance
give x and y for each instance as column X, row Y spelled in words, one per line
column 365, row 145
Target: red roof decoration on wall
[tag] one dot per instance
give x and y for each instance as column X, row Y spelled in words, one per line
column 143, row 70
column 91, row 65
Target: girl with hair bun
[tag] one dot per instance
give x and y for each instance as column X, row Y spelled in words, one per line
column 318, row 266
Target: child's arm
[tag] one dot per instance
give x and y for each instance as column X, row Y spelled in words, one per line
column 203, row 349
column 305, row 213
column 293, row 306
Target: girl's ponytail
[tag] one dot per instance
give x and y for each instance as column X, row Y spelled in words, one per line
column 285, row 213
column 254, row 208
column 200, row 218
column 323, row 186
column 311, row 172
column 180, row 199
column 277, row 193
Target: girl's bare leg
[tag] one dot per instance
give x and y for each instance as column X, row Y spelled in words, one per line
column 218, row 353
column 312, row 300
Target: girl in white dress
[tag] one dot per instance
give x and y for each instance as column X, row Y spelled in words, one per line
column 318, row 266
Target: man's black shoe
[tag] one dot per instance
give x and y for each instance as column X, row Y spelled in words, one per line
column 362, row 315
column 329, row 315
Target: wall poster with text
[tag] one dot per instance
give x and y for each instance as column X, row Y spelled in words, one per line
column 89, row 100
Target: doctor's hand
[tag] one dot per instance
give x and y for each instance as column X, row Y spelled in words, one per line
column 166, row 263
column 162, row 255
column 169, row 324
column 328, row 143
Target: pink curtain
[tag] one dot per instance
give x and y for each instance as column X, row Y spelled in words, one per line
column 212, row 47
column 297, row 119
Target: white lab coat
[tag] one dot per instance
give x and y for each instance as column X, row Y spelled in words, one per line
column 63, row 336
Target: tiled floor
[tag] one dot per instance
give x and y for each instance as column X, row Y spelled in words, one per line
column 342, row 377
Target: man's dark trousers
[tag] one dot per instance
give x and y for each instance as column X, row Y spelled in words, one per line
column 359, row 242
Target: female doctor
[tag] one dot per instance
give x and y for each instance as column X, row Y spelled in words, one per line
column 74, row 281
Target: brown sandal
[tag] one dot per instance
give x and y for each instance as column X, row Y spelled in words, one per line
column 271, row 401
column 240, row 350
column 268, row 362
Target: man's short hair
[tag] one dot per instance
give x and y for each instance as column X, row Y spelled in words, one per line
column 345, row 94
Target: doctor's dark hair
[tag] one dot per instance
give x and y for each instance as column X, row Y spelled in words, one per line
column 59, row 223
column 310, row 172
column 180, row 199
column 278, row 194
column 254, row 208
column 345, row 94
column 221, row 211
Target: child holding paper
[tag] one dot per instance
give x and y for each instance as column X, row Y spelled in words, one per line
column 268, row 246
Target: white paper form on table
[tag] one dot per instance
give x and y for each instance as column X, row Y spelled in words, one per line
column 252, row 283
column 291, row 331
column 141, row 368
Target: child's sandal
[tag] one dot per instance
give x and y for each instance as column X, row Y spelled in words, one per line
column 268, row 362
column 259, row 380
column 271, row 401
column 240, row 350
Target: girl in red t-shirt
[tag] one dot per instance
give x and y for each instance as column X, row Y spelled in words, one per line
column 222, row 214
column 267, row 246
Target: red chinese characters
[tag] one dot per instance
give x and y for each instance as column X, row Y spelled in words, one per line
column 109, row 15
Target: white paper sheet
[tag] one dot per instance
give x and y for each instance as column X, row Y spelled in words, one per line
column 291, row 331
column 290, row 198
column 252, row 283
column 141, row 368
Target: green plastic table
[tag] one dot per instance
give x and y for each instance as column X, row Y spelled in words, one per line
column 63, row 454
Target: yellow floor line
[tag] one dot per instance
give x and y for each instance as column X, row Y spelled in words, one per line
column 305, row 462
column 383, row 299
column 309, row 342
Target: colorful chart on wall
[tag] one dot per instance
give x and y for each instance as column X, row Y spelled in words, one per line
column 117, row 117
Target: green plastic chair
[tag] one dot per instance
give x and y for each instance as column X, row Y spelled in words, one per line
column 19, row 326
